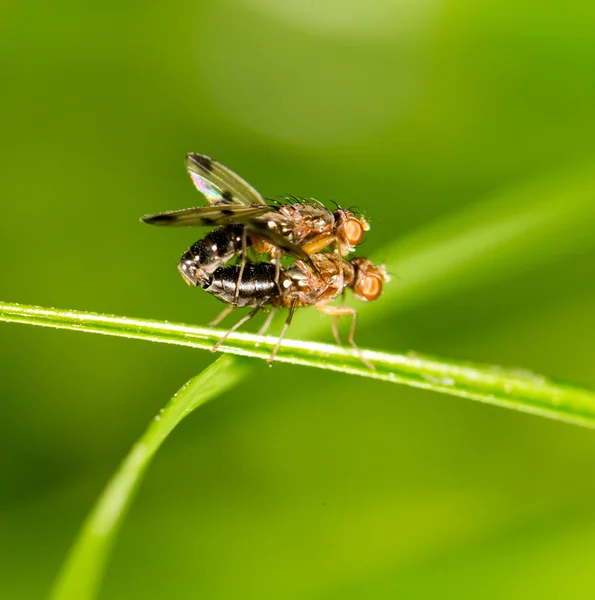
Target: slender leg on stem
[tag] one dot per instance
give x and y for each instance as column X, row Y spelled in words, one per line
column 267, row 323
column 221, row 316
column 335, row 323
column 351, row 336
column 340, row 311
column 238, row 324
column 335, row 329
column 271, row 358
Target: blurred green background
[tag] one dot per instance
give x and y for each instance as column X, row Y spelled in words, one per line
column 297, row 484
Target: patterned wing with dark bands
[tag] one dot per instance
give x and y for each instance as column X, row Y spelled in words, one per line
column 207, row 216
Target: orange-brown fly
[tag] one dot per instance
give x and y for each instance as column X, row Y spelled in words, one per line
column 245, row 219
column 317, row 238
column 300, row 285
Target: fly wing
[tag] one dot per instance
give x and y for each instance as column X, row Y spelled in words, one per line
column 256, row 218
column 218, row 184
column 232, row 201
column 208, row 216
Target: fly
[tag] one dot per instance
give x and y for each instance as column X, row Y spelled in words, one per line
column 298, row 286
column 245, row 219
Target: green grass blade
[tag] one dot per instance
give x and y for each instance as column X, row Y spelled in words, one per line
column 82, row 571
column 512, row 388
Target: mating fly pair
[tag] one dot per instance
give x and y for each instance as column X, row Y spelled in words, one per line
column 317, row 238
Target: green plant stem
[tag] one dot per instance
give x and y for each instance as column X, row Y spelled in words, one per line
column 82, row 571
column 517, row 389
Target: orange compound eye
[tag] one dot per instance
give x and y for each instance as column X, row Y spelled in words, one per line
column 354, row 231
column 371, row 287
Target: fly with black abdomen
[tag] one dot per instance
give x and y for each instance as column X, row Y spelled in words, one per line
column 245, row 219
column 317, row 238
column 299, row 286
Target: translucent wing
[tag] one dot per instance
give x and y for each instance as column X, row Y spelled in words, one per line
column 231, row 201
column 218, row 184
column 208, row 216
column 255, row 218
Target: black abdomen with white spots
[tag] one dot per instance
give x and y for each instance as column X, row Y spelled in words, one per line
column 202, row 259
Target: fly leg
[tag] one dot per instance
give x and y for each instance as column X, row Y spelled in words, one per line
column 242, row 265
column 267, row 323
column 221, row 316
column 271, row 358
column 314, row 246
column 341, row 311
column 335, row 330
column 275, row 256
column 238, row 324
column 277, row 261
column 335, row 323
column 319, row 243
